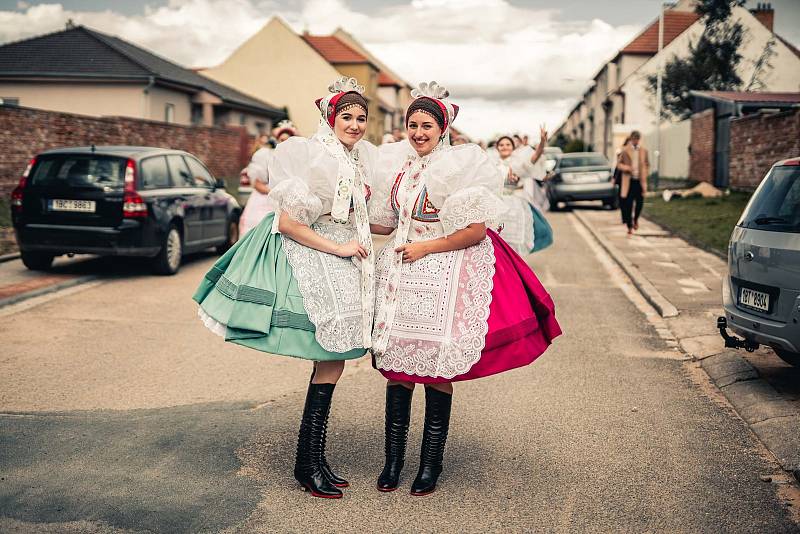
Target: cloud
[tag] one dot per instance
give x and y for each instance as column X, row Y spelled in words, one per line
column 510, row 67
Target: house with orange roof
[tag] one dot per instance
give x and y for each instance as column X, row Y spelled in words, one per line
column 618, row 100
column 293, row 70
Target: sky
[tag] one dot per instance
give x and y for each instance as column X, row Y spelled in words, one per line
column 510, row 64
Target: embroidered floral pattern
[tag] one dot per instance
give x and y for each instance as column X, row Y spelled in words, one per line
column 330, row 286
column 467, row 206
column 441, row 320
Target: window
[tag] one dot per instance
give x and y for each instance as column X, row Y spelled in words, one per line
column 200, row 174
column 775, row 205
column 181, row 177
column 79, row 171
column 242, row 119
column 169, row 113
column 591, row 160
column 9, row 101
column 155, row 174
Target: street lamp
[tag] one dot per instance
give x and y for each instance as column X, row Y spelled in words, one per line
column 659, row 75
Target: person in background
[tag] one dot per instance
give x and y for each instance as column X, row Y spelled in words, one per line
column 459, row 140
column 258, row 205
column 388, row 138
column 398, row 134
column 618, row 175
column 634, row 162
column 261, row 140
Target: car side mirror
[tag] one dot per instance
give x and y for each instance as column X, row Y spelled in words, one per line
column 220, row 183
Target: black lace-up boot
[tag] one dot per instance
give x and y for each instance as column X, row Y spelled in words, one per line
column 333, row 478
column 437, row 422
column 398, row 414
column 308, row 468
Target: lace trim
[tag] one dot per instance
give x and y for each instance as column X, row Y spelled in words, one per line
column 443, row 311
column 470, row 205
column 297, row 201
column 211, row 323
column 331, row 289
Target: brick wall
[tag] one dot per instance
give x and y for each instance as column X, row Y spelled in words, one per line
column 701, row 161
column 24, row 132
column 758, row 141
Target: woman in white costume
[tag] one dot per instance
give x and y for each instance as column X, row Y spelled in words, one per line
column 453, row 301
column 258, row 205
column 524, row 226
column 301, row 283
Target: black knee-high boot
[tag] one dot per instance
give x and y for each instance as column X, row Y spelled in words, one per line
column 398, row 414
column 311, row 443
column 333, row 478
column 437, row 423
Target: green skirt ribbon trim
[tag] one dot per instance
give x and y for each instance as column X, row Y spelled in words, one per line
column 252, row 296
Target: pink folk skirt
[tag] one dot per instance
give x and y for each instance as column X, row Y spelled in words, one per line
column 522, row 320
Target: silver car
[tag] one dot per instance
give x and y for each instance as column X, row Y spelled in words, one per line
column 761, row 294
column 582, row 176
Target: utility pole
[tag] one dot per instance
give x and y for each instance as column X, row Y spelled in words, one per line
column 659, row 75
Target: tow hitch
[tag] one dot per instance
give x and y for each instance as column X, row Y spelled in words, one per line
column 733, row 342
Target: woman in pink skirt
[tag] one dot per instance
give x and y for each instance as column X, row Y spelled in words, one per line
column 453, row 301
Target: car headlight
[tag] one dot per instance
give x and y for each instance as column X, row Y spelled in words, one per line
column 569, row 176
column 604, row 175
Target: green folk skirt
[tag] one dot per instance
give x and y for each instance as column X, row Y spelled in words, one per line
column 251, row 297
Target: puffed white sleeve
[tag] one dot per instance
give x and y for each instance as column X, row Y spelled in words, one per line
column 391, row 157
column 289, row 172
column 464, row 183
column 258, row 168
column 522, row 166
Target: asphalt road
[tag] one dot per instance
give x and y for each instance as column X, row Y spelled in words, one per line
column 121, row 413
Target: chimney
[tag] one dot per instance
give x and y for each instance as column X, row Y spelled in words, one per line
column 765, row 14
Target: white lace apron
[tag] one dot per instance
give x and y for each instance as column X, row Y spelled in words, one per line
column 431, row 314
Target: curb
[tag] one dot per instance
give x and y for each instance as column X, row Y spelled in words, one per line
column 10, row 257
column 45, row 290
column 664, row 307
column 769, row 416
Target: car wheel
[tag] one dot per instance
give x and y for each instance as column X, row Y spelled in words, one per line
column 168, row 260
column 231, row 237
column 792, row 358
column 611, row 203
column 37, row 261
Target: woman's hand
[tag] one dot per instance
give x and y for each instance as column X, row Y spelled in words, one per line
column 543, row 137
column 413, row 251
column 512, row 178
column 351, row 248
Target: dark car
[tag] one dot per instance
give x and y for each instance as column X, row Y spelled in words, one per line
column 582, row 176
column 121, row 201
column 761, row 291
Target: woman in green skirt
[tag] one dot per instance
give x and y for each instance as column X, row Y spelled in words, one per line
column 301, row 283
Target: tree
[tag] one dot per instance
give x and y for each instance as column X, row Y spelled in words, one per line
column 711, row 64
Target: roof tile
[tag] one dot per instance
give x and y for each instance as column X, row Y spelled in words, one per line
column 675, row 23
column 334, row 50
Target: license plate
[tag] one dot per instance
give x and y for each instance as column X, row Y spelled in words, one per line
column 754, row 299
column 84, row 206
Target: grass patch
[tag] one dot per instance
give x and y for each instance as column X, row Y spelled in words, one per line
column 707, row 222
